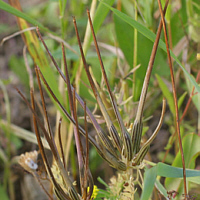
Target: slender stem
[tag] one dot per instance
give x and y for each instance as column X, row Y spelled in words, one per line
column 105, row 154
column 109, row 123
column 40, row 144
column 149, row 70
column 127, row 139
column 87, row 153
column 135, row 50
column 86, row 44
column 136, row 132
column 183, row 115
column 190, row 99
column 62, row 5
column 63, row 109
column 78, row 144
column 119, row 5
column 44, row 107
column 144, row 149
column 52, row 145
column 175, row 97
column 60, row 142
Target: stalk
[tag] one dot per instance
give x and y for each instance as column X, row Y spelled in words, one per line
column 175, row 98
column 135, row 51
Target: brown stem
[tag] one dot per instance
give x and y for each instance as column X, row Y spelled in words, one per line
column 175, row 97
column 149, row 69
column 183, row 115
column 40, row 144
column 190, row 99
column 127, row 139
column 136, row 131
column 99, row 130
column 78, row 144
column 60, row 143
column 111, row 127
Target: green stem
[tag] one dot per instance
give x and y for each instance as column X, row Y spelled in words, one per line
column 61, row 84
column 62, row 5
column 135, row 50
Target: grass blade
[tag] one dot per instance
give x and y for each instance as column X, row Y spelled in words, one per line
column 151, row 36
column 149, row 181
column 167, row 94
column 8, row 8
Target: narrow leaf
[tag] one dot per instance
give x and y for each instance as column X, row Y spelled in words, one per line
column 151, row 36
column 165, row 170
column 191, row 150
column 149, row 181
column 181, row 99
column 124, row 30
column 8, row 8
column 4, row 196
column 167, row 94
column 161, row 188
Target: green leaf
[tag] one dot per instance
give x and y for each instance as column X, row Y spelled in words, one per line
column 196, row 97
column 194, row 180
column 165, row 170
column 181, row 99
column 167, row 94
column 102, row 182
column 16, row 141
column 149, row 181
column 4, row 196
column 144, row 130
column 161, row 189
column 191, row 147
column 148, row 12
column 22, row 74
column 151, row 36
column 34, row 47
column 101, row 13
column 8, row 8
column 125, row 35
column 191, row 150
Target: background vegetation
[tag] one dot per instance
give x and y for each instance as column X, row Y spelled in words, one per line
column 124, row 44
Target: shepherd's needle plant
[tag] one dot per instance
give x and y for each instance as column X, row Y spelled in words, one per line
column 121, row 149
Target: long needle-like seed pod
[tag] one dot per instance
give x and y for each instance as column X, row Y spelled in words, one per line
column 100, row 132
column 136, row 132
column 140, row 156
column 111, row 127
column 126, row 137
